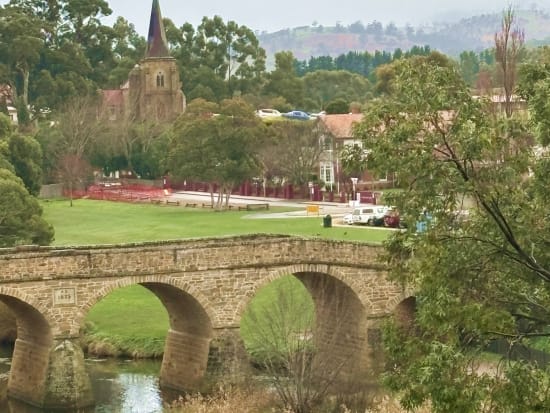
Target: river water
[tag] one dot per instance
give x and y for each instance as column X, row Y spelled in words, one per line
column 119, row 386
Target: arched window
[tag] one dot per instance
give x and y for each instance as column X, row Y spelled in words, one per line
column 160, row 79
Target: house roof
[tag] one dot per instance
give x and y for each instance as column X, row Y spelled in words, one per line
column 113, row 97
column 156, row 40
column 6, row 93
column 341, row 126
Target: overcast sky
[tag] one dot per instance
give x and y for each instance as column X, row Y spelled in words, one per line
column 273, row 15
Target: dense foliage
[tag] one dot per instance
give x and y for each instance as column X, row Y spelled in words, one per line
column 21, row 216
column 20, row 178
column 476, row 277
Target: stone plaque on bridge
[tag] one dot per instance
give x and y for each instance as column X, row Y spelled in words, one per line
column 64, row 296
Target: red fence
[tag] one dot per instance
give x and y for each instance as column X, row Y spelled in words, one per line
column 127, row 192
column 117, row 192
column 246, row 189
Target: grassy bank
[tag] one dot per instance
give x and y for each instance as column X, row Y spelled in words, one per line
column 129, row 322
column 132, row 321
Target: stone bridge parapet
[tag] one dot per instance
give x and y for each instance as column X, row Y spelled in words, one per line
column 30, row 263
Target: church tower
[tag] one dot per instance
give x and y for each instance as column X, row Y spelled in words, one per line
column 154, row 84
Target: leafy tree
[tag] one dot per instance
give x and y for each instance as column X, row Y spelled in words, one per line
column 353, row 160
column 63, row 51
column 21, row 42
column 362, row 63
column 385, row 74
column 320, row 63
column 216, row 149
column 322, row 87
column 5, row 126
column 21, row 155
column 283, row 81
column 21, row 219
column 534, row 86
column 25, row 155
column 125, row 143
column 336, row 106
column 218, row 53
column 51, row 143
column 149, row 159
column 355, row 62
column 469, row 66
column 4, row 157
column 292, row 152
column 477, row 279
column 128, row 49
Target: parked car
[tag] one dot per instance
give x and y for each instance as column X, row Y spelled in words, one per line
column 268, row 113
column 348, row 219
column 392, row 219
column 296, row 114
column 369, row 215
column 317, row 115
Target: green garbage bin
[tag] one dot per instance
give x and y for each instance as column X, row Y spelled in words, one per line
column 327, row 221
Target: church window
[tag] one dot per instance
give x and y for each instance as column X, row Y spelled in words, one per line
column 160, row 79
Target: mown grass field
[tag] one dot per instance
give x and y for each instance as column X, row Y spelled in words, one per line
column 102, row 222
column 132, row 321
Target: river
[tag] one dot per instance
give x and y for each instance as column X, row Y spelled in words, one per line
column 119, row 386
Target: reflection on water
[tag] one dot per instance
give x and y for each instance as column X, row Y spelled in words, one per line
column 126, row 386
column 119, row 386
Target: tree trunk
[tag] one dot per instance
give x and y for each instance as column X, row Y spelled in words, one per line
column 70, row 193
column 211, row 189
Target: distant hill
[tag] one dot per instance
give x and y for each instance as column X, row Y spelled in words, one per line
column 474, row 33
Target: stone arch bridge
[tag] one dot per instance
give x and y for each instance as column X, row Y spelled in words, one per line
column 204, row 284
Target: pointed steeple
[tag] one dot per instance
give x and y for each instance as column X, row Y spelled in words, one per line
column 156, row 41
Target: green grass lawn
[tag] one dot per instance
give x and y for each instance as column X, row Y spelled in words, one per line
column 102, row 222
column 132, row 319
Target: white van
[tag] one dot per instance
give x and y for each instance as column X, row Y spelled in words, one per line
column 369, row 215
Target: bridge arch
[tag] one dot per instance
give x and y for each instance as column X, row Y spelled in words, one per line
column 176, row 282
column 365, row 284
column 32, row 301
column 31, row 352
column 44, row 349
column 187, row 344
column 404, row 313
column 340, row 319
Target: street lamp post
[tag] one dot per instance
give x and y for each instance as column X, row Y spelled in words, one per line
column 354, row 183
column 331, row 169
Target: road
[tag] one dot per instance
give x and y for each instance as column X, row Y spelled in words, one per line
column 336, row 210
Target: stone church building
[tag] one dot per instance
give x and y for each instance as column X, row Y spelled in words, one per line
column 153, row 89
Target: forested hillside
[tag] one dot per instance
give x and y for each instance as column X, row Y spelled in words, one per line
column 474, row 33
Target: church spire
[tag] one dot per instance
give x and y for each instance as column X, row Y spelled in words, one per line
column 156, row 41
